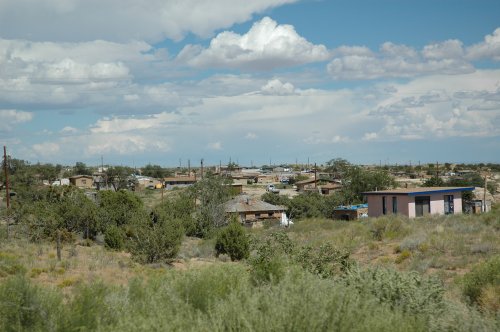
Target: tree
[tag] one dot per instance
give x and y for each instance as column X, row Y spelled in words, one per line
column 357, row 180
column 157, row 242
column 233, row 241
column 119, row 177
column 118, row 208
column 81, row 169
column 210, row 193
column 154, row 171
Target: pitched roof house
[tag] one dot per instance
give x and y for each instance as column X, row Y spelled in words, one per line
column 249, row 209
column 416, row 202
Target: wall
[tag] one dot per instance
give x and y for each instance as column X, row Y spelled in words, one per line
column 406, row 204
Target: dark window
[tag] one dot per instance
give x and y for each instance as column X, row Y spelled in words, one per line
column 422, row 205
column 394, row 205
column 257, row 215
column 448, row 204
column 384, row 205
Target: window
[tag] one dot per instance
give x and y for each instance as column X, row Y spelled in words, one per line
column 257, row 215
column 84, row 181
column 448, row 204
column 394, row 204
column 422, row 205
column 384, row 205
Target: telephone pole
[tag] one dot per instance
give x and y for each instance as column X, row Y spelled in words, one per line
column 7, row 194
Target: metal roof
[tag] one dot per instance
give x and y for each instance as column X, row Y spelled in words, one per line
column 419, row 191
column 351, row 207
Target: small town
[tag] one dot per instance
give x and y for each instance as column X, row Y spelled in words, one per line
column 248, row 166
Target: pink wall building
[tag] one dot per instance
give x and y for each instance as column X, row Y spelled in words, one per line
column 416, row 202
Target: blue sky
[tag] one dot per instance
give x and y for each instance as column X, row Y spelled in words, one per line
column 388, row 81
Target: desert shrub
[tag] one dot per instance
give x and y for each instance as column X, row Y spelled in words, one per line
column 480, row 278
column 27, row 307
column 114, row 238
column 404, row 255
column 118, row 208
column 201, row 289
column 157, row 242
column 90, row 308
column 325, row 261
column 10, row 265
column 409, row 292
column 387, row 227
column 233, row 241
column 271, row 255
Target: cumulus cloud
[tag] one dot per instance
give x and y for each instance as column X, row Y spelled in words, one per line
column 265, row 46
column 392, row 60
column 489, row 48
column 123, row 20
column 9, row 118
column 440, row 106
column 276, row 87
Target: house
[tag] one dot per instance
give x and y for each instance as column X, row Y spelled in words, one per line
column 416, row 202
column 350, row 212
column 181, row 181
column 249, row 209
column 306, row 185
column 330, row 188
column 82, row 181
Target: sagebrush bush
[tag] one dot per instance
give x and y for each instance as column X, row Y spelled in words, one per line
column 233, row 241
column 480, row 277
column 27, row 307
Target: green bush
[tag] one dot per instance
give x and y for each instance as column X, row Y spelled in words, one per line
column 10, row 265
column 27, row 307
column 233, row 241
column 157, row 242
column 409, row 292
column 114, row 238
column 325, row 261
column 481, row 276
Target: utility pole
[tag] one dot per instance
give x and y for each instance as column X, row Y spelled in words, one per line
column 202, row 168
column 484, row 195
column 315, row 177
column 7, row 194
column 189, row 167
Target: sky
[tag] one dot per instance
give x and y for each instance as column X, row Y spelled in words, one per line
column 254, row 82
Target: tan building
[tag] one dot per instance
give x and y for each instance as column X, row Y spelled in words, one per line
column 249, row 209
column 82, row 181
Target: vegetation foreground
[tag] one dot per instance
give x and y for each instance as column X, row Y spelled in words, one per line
column 171, row 266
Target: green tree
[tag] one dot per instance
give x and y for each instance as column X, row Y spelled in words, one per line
column 157, row 242
column 119, row 177
column 154, row 171
column 210, row 194
column 81, row 169
column 357, row 180
column 233, row 241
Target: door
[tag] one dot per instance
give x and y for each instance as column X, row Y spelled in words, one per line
column 448, row 204
column 422, row 205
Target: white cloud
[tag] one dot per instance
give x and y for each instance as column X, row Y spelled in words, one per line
column 126, row 124
column 489, row 48
column 46, row 149
column 68, row 130
column 370, row 136
column 9, row 118
column 251, row 136
column 356, row 63
column 215, row 146
column 440, row 106
column 276, row 87
column 265, row 46
column 123, row 20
